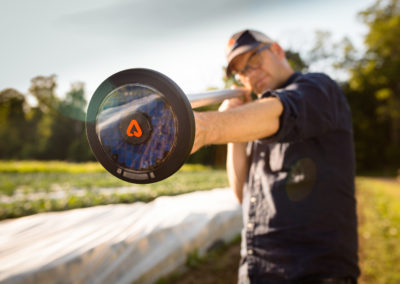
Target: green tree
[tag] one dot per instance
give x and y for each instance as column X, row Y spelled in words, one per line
column 372, row 87
column 12, row 123
column 67, row 138
column 43, row 115
column 43, row 89
column 382, row 61
column 73, row 107
column 296, row 61
column 374, row 79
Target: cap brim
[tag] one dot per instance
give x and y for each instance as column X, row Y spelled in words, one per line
column 238, row 51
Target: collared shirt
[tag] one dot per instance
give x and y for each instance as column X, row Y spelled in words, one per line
column 299, row 207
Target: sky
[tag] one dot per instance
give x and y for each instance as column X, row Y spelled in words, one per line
column 89, row 40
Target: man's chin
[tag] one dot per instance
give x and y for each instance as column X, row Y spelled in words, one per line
column 262, row 87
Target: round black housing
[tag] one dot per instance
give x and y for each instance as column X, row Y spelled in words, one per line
column 140, row 125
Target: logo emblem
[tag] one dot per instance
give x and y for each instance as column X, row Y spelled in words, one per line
column 137, row 132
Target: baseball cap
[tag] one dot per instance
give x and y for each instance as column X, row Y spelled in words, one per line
column 242, row 42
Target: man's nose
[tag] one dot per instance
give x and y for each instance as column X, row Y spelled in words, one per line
column 251, row 73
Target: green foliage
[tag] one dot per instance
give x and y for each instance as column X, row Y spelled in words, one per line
column 12, row 123
column 374, row 84
column 295, row 61
column 24, row 208
column 205, row 156
column 43, row 89
column 35, row 186
column 54, row 129
column 372, row 89
column 68, row 138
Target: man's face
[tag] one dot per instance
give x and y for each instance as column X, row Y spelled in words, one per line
column 259, row 70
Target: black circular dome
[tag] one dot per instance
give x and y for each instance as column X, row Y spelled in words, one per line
column 140, row 125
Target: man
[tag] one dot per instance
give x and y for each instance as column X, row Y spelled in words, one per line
column 290, row 163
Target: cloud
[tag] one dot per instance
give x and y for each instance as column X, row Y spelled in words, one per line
column 154, row 18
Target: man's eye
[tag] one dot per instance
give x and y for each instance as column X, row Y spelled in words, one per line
column 253, row 60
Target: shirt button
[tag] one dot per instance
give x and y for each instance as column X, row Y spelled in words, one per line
column 253, row 199
column 250, row 252
column 250, row 226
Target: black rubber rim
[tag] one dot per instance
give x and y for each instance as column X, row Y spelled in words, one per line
column 182, row 111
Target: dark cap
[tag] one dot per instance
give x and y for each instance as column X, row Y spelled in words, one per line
column 243, row 42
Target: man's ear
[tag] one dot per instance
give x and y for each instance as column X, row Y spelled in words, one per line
column 278, row 50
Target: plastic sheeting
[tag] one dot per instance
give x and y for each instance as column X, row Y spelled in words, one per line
column 133, row 243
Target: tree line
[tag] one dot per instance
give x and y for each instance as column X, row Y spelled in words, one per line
column 54, row 128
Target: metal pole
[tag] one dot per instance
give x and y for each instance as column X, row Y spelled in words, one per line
column 213, row 97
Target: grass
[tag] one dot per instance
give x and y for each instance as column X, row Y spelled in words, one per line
column 66, row 167
column 32, row 176
column 49, row 167
column 79, row 184
column 379, row 230
column 46, row 181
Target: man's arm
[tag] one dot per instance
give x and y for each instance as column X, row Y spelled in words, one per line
column 237, row 168
column 237, row 123
column 247, row 122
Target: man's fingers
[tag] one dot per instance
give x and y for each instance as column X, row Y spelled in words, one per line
column 230, row 103
column 247, row 93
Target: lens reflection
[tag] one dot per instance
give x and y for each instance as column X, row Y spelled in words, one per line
column 123, row 102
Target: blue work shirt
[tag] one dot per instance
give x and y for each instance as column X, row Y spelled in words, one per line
column 299, row 206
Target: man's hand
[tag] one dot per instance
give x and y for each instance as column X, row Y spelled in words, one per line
column 203, row 134
column 236, row 153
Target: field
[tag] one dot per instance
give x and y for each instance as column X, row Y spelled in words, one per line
column 379, row 230
column 32, row 187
